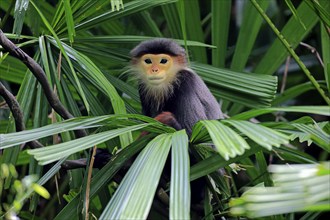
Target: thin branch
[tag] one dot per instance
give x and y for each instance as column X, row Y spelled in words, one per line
column 291, row 51
column 89, row 179
column 17, row 113
column 39, row 73
column 285, row 74
column 19, row 124
column 313, row 50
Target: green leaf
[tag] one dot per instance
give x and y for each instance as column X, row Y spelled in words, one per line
column 55, row 152
column 193, row 27
column 297, row 188
column 180, row 185
column 101, row 179
column 325, row 38
column 12, row 139
column 294, row 92
column 130, row 8
column 262, row 135
column 252, row 90
column 15, row 75
column 21, row 7
column 320, row 110
column 293, row 33
column 227, row 142
column 134, row 195
column 171, row 14
column 220, row 21
column 69, row 20
column 289, row 48
column 294, row 12
column 93, row 74
column 295, row 155
column 60, row 46
column 251, row 23
column 45, row 178
column 215, row 162
column 25, row 97
column 316, row 134
column 320, row 9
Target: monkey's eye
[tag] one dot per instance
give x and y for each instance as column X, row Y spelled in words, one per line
column 147, row 61
column 163, row 61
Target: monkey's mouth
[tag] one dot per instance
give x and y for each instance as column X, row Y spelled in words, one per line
column 155, row 80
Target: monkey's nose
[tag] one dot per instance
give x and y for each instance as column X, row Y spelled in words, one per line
column 154, row 70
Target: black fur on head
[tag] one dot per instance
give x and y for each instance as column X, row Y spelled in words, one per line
column 158, row 46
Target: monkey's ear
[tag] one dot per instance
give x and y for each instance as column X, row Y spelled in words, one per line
column 181, row 59
column 134, row 61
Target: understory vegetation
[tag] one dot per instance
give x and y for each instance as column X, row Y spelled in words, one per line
column 66, row 93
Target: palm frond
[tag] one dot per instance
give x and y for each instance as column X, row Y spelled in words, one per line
column 303, row 187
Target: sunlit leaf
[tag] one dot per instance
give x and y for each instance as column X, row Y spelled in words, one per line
column 55, row 152
column 69, row 20
column 102, row 178
column 262, row 135
column 297, row 188
column 134, row 196
column 227, row 142
column 21, row 7
column 321, row 110
column 180, row 181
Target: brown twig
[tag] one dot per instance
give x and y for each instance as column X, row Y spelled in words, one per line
column 40, row 75
column 19, row 124
column 89, row 179
column 13, row 106
column 17, row 113
column 285, row 74
column 313, row 50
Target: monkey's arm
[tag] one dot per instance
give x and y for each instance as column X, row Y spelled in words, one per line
column 192, row 101
column 168, row 119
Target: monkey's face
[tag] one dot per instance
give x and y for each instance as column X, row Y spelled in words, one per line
column 157, row 69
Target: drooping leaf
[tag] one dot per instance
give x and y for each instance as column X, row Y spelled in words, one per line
column 134, row 196
column 227, row 142
column 69, row 20
column 102, row 178
column 252, row 90
column 130, row 8
column 321, row 110
column 303, row 187
column 262, row 135
column 316, row 134
column 21, row 7
column 60, row 46
column 180, row 181
column 55, row 152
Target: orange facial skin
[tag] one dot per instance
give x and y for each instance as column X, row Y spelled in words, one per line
column 158, row 69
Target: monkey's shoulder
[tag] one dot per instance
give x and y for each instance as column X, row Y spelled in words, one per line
column 196, row 96
column 188, row 80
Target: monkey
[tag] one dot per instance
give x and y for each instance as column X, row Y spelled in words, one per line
column 169, row 90
column 171, row 93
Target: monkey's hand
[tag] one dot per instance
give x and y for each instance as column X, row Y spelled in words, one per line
column 168, row 119
column 165, row 118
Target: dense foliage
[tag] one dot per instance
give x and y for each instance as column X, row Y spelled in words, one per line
column 267, row 62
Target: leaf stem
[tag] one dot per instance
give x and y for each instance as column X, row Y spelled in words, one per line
column 291, row 51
